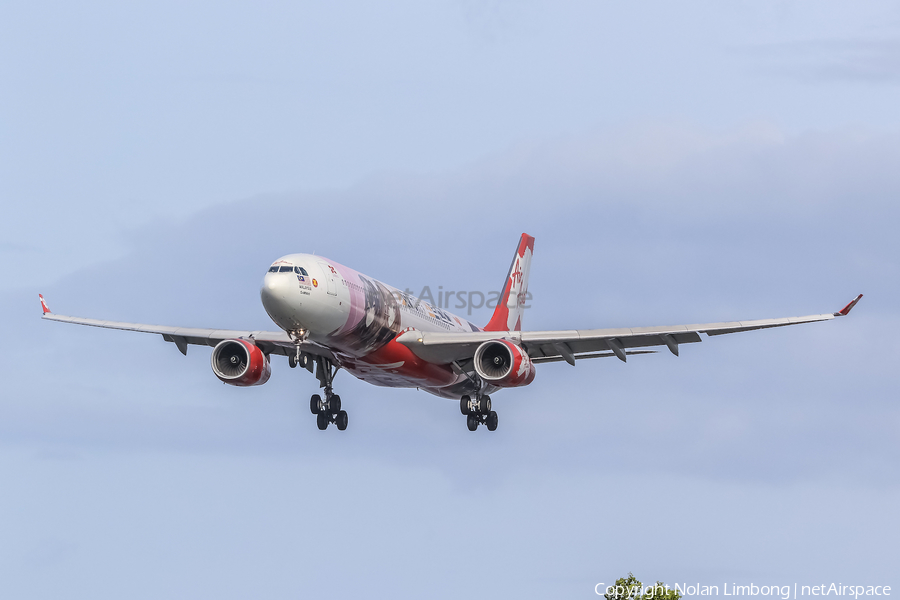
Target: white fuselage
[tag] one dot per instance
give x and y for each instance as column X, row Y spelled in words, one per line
column 357, row 318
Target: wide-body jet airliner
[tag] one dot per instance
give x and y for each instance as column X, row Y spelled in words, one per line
column 332, row 317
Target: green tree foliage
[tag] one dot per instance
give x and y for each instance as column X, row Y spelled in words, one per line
column 630, row 588
column 625, row 588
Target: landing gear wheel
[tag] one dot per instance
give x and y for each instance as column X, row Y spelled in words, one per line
column 322, row 421
column 314, row 404
column 484, row 406
column 334, row 404
column 464, row 405
column 292, row 361
column 341, row 420
column 491, row 421
column 472, row 422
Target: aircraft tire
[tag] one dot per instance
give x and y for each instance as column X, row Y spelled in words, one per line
column 322, row 421
column 484, row 407
column 334, row 404
column 314, row 404
column 464, row 405
column 472, row 422
column 292, row 361
column 492, row 421
column 341, row 420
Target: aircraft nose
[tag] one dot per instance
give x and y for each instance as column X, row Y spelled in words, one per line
column 275, row 294
column 274, row 286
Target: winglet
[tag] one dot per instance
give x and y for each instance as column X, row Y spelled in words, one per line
column 846, row 310
column 44, row 304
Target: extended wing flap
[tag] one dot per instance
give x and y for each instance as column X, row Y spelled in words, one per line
column 571, row 344
column 723, row 328
column 547, row 359
column 271, row 342
column 196, row 336
column 593, row 340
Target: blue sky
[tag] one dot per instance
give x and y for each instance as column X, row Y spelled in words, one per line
column 676, row 163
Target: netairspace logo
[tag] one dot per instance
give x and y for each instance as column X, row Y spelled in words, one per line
column 785, row 592
column 451, row 299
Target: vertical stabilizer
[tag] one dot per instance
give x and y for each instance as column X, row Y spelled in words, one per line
column 508, row 314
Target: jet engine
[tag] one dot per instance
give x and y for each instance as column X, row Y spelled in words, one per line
column 241, row 363
column 504, row 364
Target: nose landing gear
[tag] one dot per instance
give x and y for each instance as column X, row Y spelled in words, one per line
column 327, row 411
column 478, row 412
column 301, row 359
column 298, row 336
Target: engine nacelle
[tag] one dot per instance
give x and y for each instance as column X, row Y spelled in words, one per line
column 239, row 362
column 502, row 363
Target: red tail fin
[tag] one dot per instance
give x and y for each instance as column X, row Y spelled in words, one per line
column 508, row 314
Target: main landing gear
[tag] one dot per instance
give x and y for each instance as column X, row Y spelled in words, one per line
column 327, row 411
column 478, row 412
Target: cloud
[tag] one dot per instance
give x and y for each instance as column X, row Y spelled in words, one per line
column 741, row 440
column 636, row 227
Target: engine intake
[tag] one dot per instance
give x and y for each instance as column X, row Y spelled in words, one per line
column 504, row 364
column 239, row 362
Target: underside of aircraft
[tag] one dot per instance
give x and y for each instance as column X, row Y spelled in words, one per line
column 331, row 317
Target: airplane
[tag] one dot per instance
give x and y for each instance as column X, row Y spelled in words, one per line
column 332, row 317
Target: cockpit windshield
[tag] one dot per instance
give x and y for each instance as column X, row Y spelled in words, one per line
column 287, row 269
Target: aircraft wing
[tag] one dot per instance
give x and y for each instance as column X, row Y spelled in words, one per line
column 569, row 345
column 270, row 342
